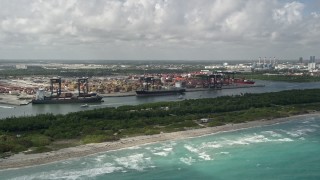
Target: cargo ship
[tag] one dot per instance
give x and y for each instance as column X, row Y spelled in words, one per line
column 65, row 100
column 160, row 92
column 243, row 81
column 58, row 97
column 147, row 81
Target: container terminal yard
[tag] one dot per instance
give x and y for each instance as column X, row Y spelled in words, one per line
column 21, row 90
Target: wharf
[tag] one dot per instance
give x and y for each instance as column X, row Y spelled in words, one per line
column 13, row 100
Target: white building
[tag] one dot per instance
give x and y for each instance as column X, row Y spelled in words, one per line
column 311, row 66
column 21, row 66
column 312, row 63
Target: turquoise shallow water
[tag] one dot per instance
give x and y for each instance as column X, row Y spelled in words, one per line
column 288, row 150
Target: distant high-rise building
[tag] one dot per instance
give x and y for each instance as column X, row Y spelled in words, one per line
column 270, row 60
column 312, row 59
column 301, row 60
column 312, row 63
column 259, row 60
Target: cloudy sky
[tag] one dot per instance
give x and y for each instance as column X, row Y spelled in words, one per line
column 159, row 29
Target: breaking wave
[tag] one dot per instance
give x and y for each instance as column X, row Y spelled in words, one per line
column 187, row 160
column 72, row 175
column 134, row 162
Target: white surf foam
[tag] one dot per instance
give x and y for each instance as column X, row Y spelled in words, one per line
column 168, row 149
column 134, row 147
column 163, row 150
column 100, row 158
column 187, row 160
column 163, row 147
column 73, row 175
column 191, row 149
column 137, row 162
column 213, row 145
column 272, row 133
column 200, row 153
column 284, row 140
column 224, row 153
column 163, row 153
column 300, row 132
column 315, row 125
column 308, row 120
column 204, row 156
column 257, row 139
column 239, row 142
column 249, row 139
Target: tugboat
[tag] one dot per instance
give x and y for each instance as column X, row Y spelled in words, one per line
column 63, row 98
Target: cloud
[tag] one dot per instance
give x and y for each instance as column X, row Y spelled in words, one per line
column 289, row 14
column 174, row 27
column 315, row 15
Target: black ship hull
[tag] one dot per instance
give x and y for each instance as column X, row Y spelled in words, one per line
column 68, row 100
column 160, row 92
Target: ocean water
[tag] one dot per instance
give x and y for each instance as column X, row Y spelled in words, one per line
column 288, row 150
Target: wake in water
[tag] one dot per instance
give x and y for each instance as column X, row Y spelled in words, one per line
column 6, row 107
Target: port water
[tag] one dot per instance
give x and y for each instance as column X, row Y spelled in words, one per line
column 261, row 86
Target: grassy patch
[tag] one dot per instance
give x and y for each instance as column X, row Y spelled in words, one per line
column 98, row 138
column 40, row 149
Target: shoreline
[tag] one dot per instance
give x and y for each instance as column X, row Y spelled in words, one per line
column 24, row 160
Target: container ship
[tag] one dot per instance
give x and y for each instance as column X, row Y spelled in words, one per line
column 63, row 98
column 160, row 92
column 243, row 81
column 92, row 98
column 146, row 92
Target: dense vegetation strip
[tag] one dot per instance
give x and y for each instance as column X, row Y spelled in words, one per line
column 42, row 132
column 280, row 77
column 39, row 71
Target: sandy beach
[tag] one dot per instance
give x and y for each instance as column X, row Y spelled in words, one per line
column 23, row 160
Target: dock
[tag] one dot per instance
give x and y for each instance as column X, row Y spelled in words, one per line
column 13, row 100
